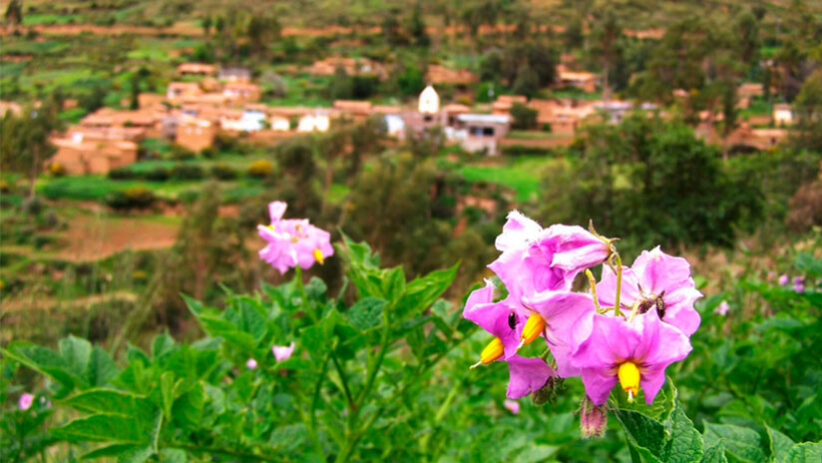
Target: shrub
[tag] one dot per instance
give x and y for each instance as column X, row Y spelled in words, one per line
column 158, row 174
column 56, row 169
column 223, row 171
column 260, row 169
column 805, row 207
column 186, row 172
column 525, row 118
column 135, row 197
column 121, row 174
column 181, row 153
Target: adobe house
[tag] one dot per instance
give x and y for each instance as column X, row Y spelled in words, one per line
column 782, row 114
column 178, row 90
column 750, row 90
column 503, row 103
column 197, row 69
column 440, row 75
column 352, row 66
column 585, row 81
column 359, row 110
column 250, row 119
column 316, row 121
column 194, row 133
column 482, row 132
column 234, row 74
column 241, row 92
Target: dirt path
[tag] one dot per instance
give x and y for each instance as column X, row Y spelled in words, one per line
column 41, row 303
column 91, row 238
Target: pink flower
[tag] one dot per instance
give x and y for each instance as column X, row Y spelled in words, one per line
column 783, row 280
column 548, row 260
column 635, row 354
column 656, row 283
column 25, row 401
column 722, row 308
column 251, row 364
column 799, row 287
column 568, row 320
column 512, row 406
column 292, row 242
column 526, row 375
column 282, row 353
column 497, row 318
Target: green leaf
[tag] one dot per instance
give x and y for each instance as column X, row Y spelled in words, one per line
column 104, row 401
column 107, row 451
column 714, row 453
column 742, row 443
column 162, row 346
column 644, row 431
column 101, row 368
column 366, row 313
column 780, row 444
column 393, row 284
column 167, row 392
column 173, row 456
column 196, row 307
column 188, row 408
column 45, row 361
column 136, row 455
column 103, row 427
column 685, row 445
column 536, row 454
column 422, row 292
column 806, row 452
column 75, row 351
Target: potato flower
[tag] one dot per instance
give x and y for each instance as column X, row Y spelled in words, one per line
column 292, row 242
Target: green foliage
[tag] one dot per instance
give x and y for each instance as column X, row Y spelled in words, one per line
column 652, row 181
column 524, row 117
column 134, row 197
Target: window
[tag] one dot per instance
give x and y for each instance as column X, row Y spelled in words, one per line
column 488, row 131
column 428, row 118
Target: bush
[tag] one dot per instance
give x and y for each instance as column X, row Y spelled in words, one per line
column 223, row 171
column 56, row 169
column 158, row 174
column 121, row 174
column 186, row 172
column 260, row 169
column 180, row 153
column 135, row 197
column 805, row 207
column 525, row 118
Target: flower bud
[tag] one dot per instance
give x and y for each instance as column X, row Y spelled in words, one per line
column 592, row 419
column 548, row 392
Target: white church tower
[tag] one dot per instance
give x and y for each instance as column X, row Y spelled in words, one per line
column 429, row 101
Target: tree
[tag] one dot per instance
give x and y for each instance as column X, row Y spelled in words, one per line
column 808, row 109
column 261, row 30
column 14, row 12
column 524, row 117
column 24, row 140
column 207, row 23
column 416, row 27
column 606, row 34
column 527, row 81
column 747, row 35
column 654, row 181
column 341, row 87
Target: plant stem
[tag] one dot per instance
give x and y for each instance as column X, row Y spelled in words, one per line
column 344, row 381
column 592, row 281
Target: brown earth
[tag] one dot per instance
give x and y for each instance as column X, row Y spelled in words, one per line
column 89, row 238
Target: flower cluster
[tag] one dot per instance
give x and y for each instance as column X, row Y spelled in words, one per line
column 292, row 242
column 627, row 328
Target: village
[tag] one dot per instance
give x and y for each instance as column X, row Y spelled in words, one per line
column 209, row 100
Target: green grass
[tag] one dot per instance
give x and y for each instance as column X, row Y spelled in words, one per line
column 533, row 135
column 97, row 187
column 31, row 19
column 523, row 175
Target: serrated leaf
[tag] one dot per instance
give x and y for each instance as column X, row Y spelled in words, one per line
column 45, row 361
column 536, row 454
column 103, row 401
column 167, row 392
column 806, row 452
column 646, row 432
column 103, row 427
column 100, row 368
column 714, row 453
column 75, row 351
column 685, row 444
column 743, row 443
column 173, row 456
column 108, row 451
column 136, row 455
column 780, row 444
column 188, row 408
column 366, row 313
column 420, row 293
column 161, row 346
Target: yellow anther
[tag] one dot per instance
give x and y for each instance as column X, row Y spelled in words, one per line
column 628, row 375
column 319, row 255
column 534, row 326
column 491, row 352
